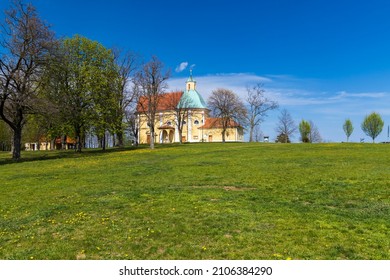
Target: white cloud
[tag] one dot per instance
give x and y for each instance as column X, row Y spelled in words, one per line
column 236, row 82
column 181, row 67
column 304, row 99
column 287, row 90
column 371, row 95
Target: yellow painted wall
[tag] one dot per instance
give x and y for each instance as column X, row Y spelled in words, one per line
column 215, row 135
column 191, row 132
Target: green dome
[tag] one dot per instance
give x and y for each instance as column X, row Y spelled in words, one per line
column 191, row 99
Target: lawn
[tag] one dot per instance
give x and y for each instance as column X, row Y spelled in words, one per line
column 198, row 201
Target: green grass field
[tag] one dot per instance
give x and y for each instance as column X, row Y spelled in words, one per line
column 198, row 201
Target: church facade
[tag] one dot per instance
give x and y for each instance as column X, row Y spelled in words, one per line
column 189, row 110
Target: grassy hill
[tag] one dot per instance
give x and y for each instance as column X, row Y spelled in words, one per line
column 198, row 201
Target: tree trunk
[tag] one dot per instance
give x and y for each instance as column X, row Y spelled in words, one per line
column 17, row 143
column 78, row 144
column 135, row 134
column 120, row 142
column 223, row 135
column 78, row 139
column 63, row 143
column 16, row 127
column 12, row 143
column 152, row 137
column 251, row 134
column 180, row 131
column 104, row 142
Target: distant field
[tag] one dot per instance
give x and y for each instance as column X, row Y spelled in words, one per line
column 198, row 201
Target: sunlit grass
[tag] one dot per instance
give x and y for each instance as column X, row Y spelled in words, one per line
column 201, row 201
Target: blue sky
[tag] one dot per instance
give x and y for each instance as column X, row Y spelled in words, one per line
column 323, row 61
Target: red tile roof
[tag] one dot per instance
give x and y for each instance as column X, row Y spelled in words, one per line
column 217, row 123
column 68, row 140
column 166, row 101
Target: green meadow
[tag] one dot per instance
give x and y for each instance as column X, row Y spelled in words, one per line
column 198, row 201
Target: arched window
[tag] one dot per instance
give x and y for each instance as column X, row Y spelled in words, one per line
column 169, row 123
column 196, row 122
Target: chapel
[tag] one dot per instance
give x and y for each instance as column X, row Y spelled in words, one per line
column 189, row 110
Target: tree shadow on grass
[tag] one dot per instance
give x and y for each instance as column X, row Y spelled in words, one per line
column 63, row 154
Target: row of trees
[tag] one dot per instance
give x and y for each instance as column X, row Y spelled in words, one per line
column 372, row 126
column 76, row 86
column 227, row 106
column 286, row 128
column 64, row 87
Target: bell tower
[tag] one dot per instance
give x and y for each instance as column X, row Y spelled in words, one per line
column 191, row 83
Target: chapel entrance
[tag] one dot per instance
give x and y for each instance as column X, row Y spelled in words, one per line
column 167, row 136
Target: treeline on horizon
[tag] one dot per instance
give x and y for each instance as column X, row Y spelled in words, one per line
column 76, row 87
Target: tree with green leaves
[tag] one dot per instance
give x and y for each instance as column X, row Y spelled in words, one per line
column 372, row 125
column 105, row 93
column 305, row 130
column 80, row 84
column 348, row 128
column 5, row 137
column 26, row 43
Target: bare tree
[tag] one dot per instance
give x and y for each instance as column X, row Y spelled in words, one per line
column 259, row 105
column 180, row 108
column 149, row 85
column 286, row 126
column 314, row 134
column 258, row 134
column 227, row 106
column 26, row 44
column 127, row 64
column 132, row 121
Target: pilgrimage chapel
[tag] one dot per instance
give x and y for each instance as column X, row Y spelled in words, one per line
column 188, row 108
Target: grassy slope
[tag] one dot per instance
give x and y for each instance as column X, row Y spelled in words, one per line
column 211, row 201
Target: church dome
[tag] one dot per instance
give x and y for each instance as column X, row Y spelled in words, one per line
column 191, row 98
